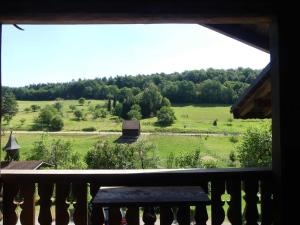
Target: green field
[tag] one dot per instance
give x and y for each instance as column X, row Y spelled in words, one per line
column 217, row 147
column 190, row 118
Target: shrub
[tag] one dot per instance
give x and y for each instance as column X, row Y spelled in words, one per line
column 233, row 139
column 255, row 149
column 56, row 152
column 215, row 123
column 165, row 116
column 105, row 155
column 188, row 160
column 81, row 101
column 78, row 114
column 99, row 113
column 58, row 106
column 35, row 107
column 27, row 110
column 72, row 108
column 56, row 123
column 89, row 129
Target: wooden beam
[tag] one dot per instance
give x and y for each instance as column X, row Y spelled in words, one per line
column 135, row 11
column 243, row 34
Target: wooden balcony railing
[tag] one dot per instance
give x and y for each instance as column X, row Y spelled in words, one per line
column 57, row 192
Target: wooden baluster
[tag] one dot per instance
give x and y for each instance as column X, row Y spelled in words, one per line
column 201, row 215
column 217, row 211
column 80, row 215
column 266, row 202
column 251, row 199
column 9, row 208
column 183, row 215
column 1, row 200
column 133, row 216
column 45, row 191
column 27, row 216
column 61, row 207
column 115, row 216
column 97, row 217
column 149, row 216
column 234, row 212
column 166, row 215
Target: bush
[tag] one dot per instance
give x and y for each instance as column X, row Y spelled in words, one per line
column 81, row 101
column 105, row 155
column 188, row 160
column 58, row 106
column 99, row 113
column 165, row 116
column 89, row 129
column 35, row 108
column 78, row 115
column 72, row 108
column 233, row 139
column 57, row 152
column 44, row 119
column 255, row 149
column 56, row 123
column 215, row 123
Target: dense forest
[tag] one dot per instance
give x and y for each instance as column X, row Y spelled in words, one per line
column 216, row 86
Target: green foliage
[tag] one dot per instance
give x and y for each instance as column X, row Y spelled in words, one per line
column 56, row 123
column 165, row 116
column 150, row 101
column 58, row 106
column 233, row 139
column 135, row 112
column 209, row 163
column 81, row 101
column 45, row 117
column 118, row 110
column 105, row 155
column 188, row 160
column 78, row 114
column 99, row 113
column 27, row 110
column 165, row 102
column 89, row 129
column 57, row 152
column 35, row 107
column 72, row 107
column 22, row 121
column 232, row 159
column 255, row 149
column 215, row 123
column 9, row 106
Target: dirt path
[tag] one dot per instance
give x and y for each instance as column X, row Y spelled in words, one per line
column 119, row 133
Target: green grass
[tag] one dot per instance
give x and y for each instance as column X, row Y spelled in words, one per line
column 190, row 118
column 217, row 147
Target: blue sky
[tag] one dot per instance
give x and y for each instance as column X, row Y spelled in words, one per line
column 60, row 53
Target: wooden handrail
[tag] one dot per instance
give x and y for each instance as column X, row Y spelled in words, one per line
column 134, row 177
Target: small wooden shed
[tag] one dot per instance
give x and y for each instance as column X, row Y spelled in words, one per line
column 131, row 128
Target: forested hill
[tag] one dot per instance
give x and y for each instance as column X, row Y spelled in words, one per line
column 195, row 86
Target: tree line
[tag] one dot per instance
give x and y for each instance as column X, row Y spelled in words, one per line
column 211, row 86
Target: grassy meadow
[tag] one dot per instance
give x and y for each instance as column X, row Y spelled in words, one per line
column 216, row 147
column 190, row 118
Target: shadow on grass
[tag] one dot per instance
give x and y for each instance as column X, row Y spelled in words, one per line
column 126, row 139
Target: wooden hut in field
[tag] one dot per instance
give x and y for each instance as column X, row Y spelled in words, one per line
column 131, row 128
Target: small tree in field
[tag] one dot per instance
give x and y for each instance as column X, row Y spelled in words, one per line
column 81, row 101
column 165, row 116
column 9, row 106
column 255, row 149
column 78, row 115
column 56, row 123
column 35, row 107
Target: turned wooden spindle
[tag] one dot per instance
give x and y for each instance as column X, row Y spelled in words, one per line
column 27, row 216
column 9, row 207
column 149, row 216
column 251, row 199
column 45, row 191
column 80, row 215
column 234, row 212
column 96, row 217
column 61, row 205
column 217, row 211
column 266, row 202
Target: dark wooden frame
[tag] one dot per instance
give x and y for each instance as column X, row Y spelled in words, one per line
column 284, row 83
